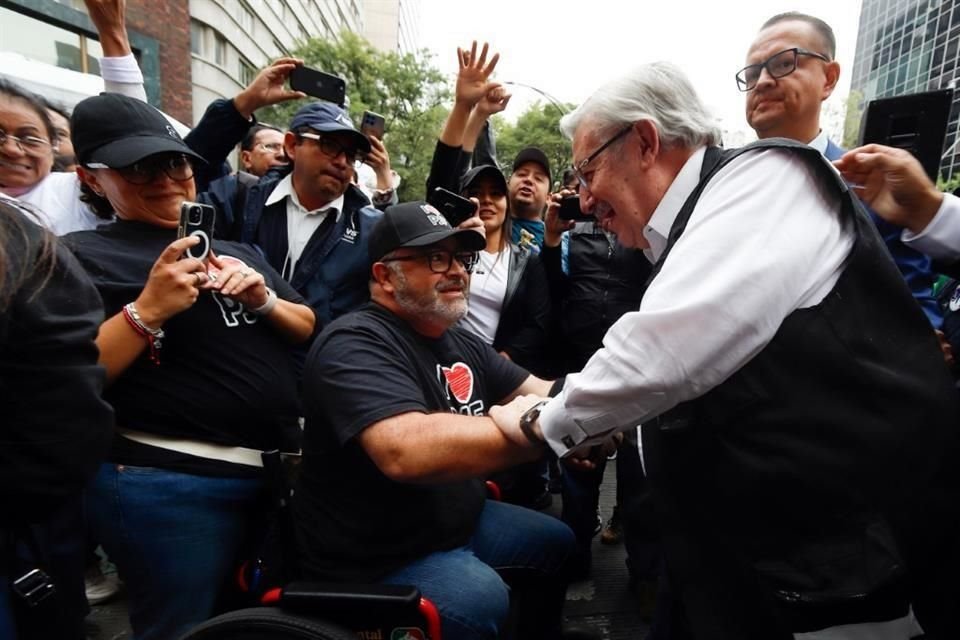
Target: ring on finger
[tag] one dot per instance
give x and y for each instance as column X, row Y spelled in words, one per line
column 244, row 274
column 196, row 274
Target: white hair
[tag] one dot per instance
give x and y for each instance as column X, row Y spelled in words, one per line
column 659, row 92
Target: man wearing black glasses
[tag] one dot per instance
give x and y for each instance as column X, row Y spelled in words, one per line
column 309, row 218
column 790, row 71
column 780, row 369
column 396, row 442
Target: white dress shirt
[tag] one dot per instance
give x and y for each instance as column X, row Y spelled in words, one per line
column 301, row 222
column 940, row 239
column 764, row 240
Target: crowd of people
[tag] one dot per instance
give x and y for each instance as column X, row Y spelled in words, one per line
column 754, row 329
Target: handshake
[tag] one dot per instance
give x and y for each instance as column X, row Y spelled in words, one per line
column 518, row 420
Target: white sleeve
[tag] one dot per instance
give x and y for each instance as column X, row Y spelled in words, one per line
column 941, row 238
column 122, row 75
column 763, row 241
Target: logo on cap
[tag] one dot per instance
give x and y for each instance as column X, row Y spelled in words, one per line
column 172, row 132
column 344, row 120
column 435, row 217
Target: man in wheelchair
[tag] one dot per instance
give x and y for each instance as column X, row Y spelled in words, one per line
column 397, row 441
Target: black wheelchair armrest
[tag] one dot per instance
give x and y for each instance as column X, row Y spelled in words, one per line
column 350, row 600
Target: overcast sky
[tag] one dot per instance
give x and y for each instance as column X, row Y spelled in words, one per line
column 568, row 48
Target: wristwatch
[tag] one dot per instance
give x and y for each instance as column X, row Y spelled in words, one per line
column 527, row 420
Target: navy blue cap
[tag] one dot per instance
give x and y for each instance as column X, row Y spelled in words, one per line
column 483, row 170
column 327, row 117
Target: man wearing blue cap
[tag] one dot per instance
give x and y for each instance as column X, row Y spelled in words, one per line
column 309, row 219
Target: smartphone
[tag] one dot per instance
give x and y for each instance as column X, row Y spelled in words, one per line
column 197, row 220
column 319, row 84
column 454, row 208
column 570, row 210
column 372, row 124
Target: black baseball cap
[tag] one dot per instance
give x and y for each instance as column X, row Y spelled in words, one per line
column 533, row 154
column 417, row 224
column 116, row 131
column 483, row 170
column 327, row 117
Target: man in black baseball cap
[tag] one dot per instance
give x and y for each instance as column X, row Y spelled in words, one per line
column 528, row 190
column 395, row 400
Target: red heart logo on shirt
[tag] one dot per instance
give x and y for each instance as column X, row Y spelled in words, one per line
column 460, row 379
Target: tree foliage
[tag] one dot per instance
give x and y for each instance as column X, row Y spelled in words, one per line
column 538, row 126
column 407, row 90
column 851, row 122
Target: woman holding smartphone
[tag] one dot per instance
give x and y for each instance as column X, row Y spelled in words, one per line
column 200, row 370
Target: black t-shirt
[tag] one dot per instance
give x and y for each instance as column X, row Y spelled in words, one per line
column 354, row 523
column 225, row 375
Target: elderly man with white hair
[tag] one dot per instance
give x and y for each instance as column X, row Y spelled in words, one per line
column 794, row 402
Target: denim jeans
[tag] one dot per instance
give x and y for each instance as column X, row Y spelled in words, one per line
column 464, row 583
column 175, row 539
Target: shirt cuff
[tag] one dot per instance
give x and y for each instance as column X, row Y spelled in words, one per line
column 941, row 238
column 123, row 69
column 564, row 434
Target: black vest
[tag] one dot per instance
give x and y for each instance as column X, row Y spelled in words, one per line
column 605, row 281
column 779, row 489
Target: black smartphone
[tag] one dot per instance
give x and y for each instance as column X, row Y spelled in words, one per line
column 197, row 220
column 319, row 84
column 570, row 210
column 454, row 208
column 373, row 124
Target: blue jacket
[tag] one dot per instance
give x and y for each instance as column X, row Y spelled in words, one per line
column 332, row 275
column 915, row 267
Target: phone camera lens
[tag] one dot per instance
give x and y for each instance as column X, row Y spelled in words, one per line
column 196, row 217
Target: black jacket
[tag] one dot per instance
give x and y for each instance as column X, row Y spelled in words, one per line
column 525, row 315
column 56, row 427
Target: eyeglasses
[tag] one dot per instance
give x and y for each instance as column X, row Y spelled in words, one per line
column 176, row 167
column 441, row 261
column 27, row 144
column 778, row 65
column 578, row 169
column 332, row 148
column 272, row 147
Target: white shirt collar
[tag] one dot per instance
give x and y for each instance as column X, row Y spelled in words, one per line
column 658, row 227
column 820, row 142
column 284, row 189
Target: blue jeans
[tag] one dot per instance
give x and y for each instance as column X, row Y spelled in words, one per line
column 175, row 539
column 464, row 583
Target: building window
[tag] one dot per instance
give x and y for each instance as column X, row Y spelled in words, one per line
column 244, row 18
column 220, row 50
column 37, row 40
column 247, row 72
column 197, row 34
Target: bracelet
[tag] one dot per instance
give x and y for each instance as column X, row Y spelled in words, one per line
column 267, row 306
column 153, row 336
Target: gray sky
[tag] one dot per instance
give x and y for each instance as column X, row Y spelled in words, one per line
column 568, row 57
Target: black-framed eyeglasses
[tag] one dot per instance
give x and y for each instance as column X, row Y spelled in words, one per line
column 176, row 167
column 440, row 261
column 332, row 148
column 580, row 166
column 778, row 65
column 27, row 144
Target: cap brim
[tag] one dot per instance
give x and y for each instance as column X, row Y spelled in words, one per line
column 125, row 152
column 333, row 127
column 468, row 239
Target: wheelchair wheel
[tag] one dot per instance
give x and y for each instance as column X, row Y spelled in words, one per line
column 267, row 623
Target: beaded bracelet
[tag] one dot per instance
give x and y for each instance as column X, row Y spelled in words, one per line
column 153, row 336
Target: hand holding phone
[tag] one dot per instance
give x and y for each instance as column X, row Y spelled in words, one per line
column 454, row 208
column 570, row 210
column 373, row 124
column 197, row 220
column 319, row 84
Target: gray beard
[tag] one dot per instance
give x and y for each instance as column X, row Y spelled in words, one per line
column 432, row 306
